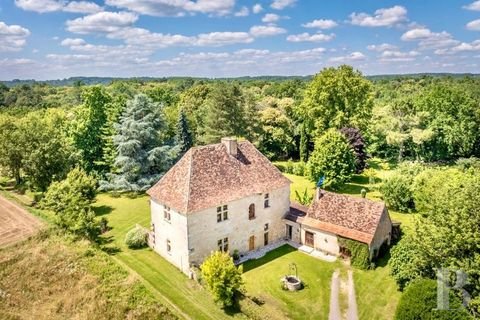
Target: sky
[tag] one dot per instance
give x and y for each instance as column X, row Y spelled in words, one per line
column 54, row 39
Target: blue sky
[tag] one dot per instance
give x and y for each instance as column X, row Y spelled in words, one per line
column 49, row 39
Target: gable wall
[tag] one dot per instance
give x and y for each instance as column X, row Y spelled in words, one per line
column 174, row 230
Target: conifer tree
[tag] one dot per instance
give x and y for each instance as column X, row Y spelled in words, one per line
column 225, row 114
column 183, row 138
column 141, row 158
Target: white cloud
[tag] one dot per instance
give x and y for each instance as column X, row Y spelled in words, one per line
column 395, row 55
column 474, row 25
column 223, row 38
column 266, row 31
column 101, row 22
column 381, row 47
column 315, row 37
column 428, row 39
column 270, row 18
column 243, row 12
column 43, row 6
column 474, row 6
column 257, row 8
column 354, row 56
column 12, row 37
column 320, row 24
column 385, row 17
column 72, row 42
column 177, row 8
column 282, row 4
column 82, row 7
column 462, row 47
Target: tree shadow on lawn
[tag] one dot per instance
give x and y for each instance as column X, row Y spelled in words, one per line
column 270, row 256
column 102, row 210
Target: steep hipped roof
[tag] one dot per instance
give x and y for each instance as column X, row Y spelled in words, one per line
column 208, row 176
column 347, row 216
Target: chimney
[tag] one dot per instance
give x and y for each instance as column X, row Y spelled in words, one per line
column 318, row 193
column 231, row 145
column 364, row 193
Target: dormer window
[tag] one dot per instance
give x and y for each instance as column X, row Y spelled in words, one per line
column 166, row 213
column 266, row 200
column 222, row 213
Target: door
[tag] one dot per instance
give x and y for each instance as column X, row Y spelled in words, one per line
column 265, row 238
column 251, row 243
column 309, row 238
column 289, row 231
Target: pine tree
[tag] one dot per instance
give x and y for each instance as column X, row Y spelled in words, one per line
column 141, row 158
column 183, row 137
column 225, row 114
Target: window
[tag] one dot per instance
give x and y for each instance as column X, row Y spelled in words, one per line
column 222, row 244
column 222, row 213
column 265, row 227
column 166, row 213
column 169, row 247
column 266, row 200
column 251, row 211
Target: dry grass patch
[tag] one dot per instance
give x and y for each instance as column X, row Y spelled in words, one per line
column 48, row 277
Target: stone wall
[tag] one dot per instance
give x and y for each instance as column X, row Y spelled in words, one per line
column 204, row 231
column 382, row 234
column 174, row 230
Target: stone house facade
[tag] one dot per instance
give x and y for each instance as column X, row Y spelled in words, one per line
column 228, row 196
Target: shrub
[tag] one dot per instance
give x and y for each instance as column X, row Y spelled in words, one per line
column 71, row 200
column 299, row 168
column 419, row 302
column 359, row 253
column 397, row 192
column 222, row 277
column 405, row 265
column 289, row 167
column 331, row 158
column 236, row 255
column 137, row 237
column 304, row 198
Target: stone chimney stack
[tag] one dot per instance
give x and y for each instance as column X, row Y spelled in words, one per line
column 318, row 193
column 231, row 145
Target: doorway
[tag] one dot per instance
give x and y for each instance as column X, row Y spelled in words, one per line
column 251, row 243
column 309, row 238
column 289, row 231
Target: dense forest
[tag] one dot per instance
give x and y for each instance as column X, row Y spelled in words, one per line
column 64, row 142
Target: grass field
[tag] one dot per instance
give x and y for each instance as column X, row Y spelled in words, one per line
column 262, row 280
column 167, row 283
column 49, row 277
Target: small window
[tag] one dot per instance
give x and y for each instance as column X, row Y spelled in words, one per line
column 266, row 200
column 222, row 213
column 166, row 213
column 265, row 227
column 251, row 211
column 222, row 244
column 169, row 247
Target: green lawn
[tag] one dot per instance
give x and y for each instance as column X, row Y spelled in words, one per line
column 262, row 280
column 168, row 284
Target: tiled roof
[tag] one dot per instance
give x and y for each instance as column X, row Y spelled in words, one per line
column 347, row 216
column 208, row 176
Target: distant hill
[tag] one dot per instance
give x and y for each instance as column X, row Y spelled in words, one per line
column 106, row 80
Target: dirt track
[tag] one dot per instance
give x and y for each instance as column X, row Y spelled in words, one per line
column 16, row 223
